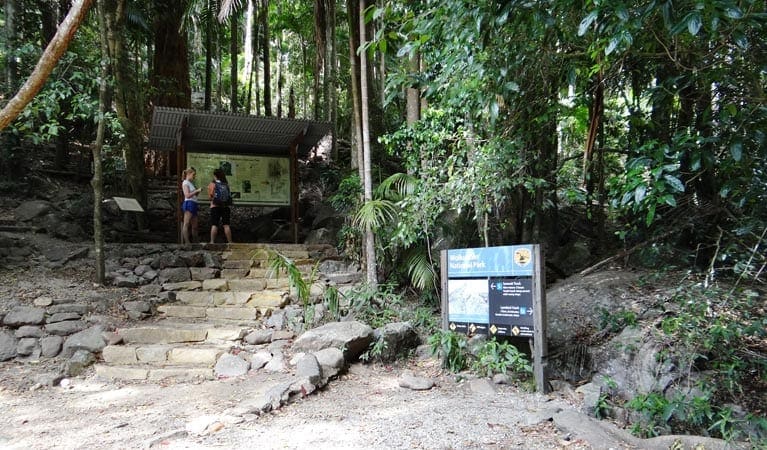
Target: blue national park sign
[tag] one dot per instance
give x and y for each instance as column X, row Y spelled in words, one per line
column 490, row 290
column 498, row 291
column 509, row 261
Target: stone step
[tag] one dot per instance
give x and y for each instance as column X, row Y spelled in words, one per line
column 268, row 298
column 197, row 355
column 264, row 254
column 151, row 373
column 171, row 332
column 233, row 315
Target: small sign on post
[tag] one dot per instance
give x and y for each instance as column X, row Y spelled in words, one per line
column 128, row 204
column 498, row 291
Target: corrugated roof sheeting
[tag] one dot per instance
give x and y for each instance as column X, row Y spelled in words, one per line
column 213, row 131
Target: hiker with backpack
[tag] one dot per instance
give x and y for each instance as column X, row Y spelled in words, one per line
column 220, row 201
column 189, row 206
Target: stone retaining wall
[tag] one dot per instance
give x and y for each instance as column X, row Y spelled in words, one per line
column 56, row 327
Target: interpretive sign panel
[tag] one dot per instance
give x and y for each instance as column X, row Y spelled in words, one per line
column 253, row 179
column 497, row 291
column 488, row 287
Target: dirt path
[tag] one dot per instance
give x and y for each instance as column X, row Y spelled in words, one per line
column 365, row 408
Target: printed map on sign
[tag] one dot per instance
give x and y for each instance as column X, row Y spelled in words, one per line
column 253, row 180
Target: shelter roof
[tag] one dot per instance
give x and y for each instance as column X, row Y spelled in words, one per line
column 209, row 132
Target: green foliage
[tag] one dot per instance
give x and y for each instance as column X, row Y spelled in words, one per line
column 331, row 301
column 500, row 357
column 347, row 196
column 346, row 200
column 695, row 415
column 451, row 347
column 68, row 101
column 302, row 286
column 425, row 319
column 710, row 331
column 616, row 321
column 375, row 350
column 376, row 307
column 649, row 182
column 604, row 406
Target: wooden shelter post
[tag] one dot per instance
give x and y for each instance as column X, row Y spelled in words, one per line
column 294, row 182
column 181, row 137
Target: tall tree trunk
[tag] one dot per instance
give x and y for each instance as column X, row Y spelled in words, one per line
column 593, row 167
column 331, row 65
column 354, row 45
column 233, row 54
column 370, row 250
column 292, row 104
column 546, row 223
column 266, row 49
column 305, row 66
column 256, row 47
column 50, row 13
column 280, row 73
column 249, row 41
column 170, row 78
column 220, row 78
column 209, row 28
column 662, row 104
column 9, row 141
column 97, row 182
column 170, row 73
column 326, row 59
column 413, row 94
column 319, row 65
column 11, row 45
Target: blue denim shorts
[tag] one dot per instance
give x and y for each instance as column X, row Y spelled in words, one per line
column 191, row 206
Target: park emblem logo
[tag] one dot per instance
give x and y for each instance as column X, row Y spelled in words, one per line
column 522, row 256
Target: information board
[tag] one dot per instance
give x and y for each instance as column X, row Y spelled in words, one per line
column 498, row 291
column 253, row 180
column 490, row 290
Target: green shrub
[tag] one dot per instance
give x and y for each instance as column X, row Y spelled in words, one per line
column 616, row 321
column 451, row 347
column 500, row 357
column 376, row 307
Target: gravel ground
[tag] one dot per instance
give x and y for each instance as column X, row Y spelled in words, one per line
column 365, row 408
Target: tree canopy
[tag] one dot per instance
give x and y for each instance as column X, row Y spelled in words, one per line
column 511, row 118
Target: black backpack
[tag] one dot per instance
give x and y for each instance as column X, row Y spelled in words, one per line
column 222, row 196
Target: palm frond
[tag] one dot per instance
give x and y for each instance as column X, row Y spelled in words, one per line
column 375, row 214
column 228, row 8
column 397, row 186
column 420, row 270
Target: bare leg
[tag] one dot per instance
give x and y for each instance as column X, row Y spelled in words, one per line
column 213, row 233
column 195, row 230
column 228, row 233
column 185, row 227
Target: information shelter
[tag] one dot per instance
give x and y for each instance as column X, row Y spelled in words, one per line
column 497, row 291
column 259, row 155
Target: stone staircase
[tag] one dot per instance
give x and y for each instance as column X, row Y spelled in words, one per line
column 208, row 318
